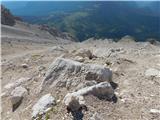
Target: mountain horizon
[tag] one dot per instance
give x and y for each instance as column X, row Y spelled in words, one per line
column 84, row 20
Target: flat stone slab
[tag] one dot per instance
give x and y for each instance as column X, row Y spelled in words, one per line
column 152, row 72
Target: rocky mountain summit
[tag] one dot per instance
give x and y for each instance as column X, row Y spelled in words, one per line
column 92, row 80
column 6, row 17
column 48, row 76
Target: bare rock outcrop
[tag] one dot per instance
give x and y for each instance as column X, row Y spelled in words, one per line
column 59, row 72
column 65, row 73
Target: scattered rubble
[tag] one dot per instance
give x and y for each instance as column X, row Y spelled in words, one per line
column 17, row 83
column 79, row 80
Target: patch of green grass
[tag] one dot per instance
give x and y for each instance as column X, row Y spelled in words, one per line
column 35, row 56
column 47, row 116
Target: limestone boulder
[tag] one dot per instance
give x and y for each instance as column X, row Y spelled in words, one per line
column 44, row 104
column 103, row 89
column 17, row 96
column 65, row 73
column 84, row 53
column 98, row 73
column 74, row 101
column 60, row 70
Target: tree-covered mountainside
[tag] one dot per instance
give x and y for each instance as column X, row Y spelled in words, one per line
column 96, row 19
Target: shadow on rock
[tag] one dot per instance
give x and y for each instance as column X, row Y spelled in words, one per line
column 114, row 85
column 78, row 115
column 114, row 99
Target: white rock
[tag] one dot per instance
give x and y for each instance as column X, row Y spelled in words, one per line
column 79, row 59
column 63, row 64
column 158, row 64
column 105, row 52
column 56, row 48
column 65, row 73
column 19, row 91
column 17, row 96
column 58, row 101
column 98, row 73
column 152, row 72
column 123, row 100
column 76, row 99
column 16, row 83
column 43, row 104
column 99, row 52
column 154, row 111
column 9, row 85
column 84, row 53
column 74, row 102
column 3, row 94
column 61, row 68
column 24, row 65
column 103, row 89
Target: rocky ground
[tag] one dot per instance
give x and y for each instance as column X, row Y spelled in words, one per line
column 42, row 78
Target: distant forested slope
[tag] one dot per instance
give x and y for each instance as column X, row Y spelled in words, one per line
column 95, row 19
